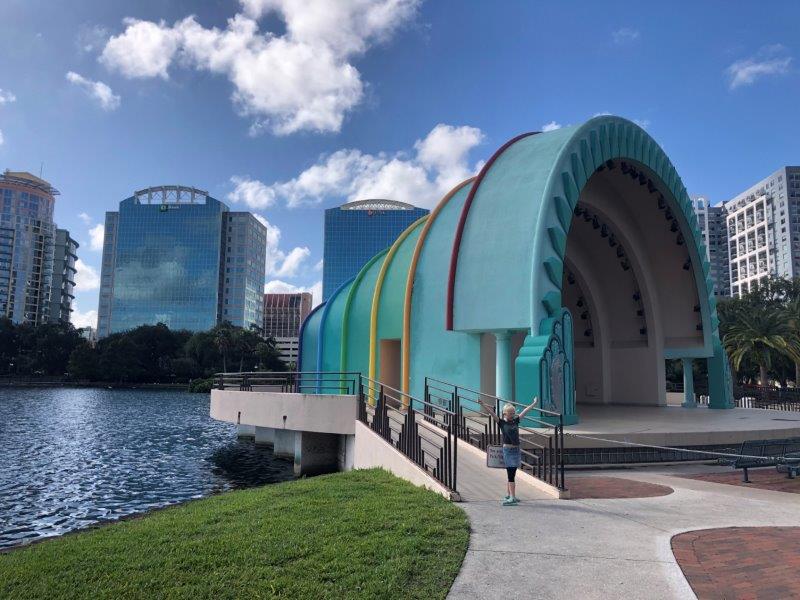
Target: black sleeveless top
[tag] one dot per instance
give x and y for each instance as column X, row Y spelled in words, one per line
column 510, row 431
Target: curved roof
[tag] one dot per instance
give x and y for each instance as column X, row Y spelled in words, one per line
column 377, row 204
column 522, row 207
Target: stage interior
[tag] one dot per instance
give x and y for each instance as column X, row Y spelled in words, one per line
column 677, row 426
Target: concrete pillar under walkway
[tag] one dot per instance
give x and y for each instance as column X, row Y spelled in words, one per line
column 689, row 400
column 284, row 443
column 264, row 436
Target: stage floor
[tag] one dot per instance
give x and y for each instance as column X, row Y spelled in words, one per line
column 677, row 426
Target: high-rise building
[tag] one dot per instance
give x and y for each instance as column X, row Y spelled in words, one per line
column 283, row 315
column 62, row 290
column 175, row 255
column 28, row 252
column 763, row 229
column 356, row 231
column 715, row 235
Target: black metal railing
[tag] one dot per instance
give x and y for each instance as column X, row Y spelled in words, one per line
column 541, row 431
column 425, row 433
column 305, row 382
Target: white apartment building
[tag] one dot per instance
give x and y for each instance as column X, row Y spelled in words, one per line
column 763, row 231
column 713, row 225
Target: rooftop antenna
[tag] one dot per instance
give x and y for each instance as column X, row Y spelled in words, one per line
column 41, row 168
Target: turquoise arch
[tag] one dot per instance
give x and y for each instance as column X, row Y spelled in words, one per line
column 356, row 319
column 435, row 351
column 537, row 181
column 390, row 302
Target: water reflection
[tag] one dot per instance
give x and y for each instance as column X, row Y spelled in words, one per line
column 72, row 457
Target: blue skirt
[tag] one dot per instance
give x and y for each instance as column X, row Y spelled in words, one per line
column 512, row 456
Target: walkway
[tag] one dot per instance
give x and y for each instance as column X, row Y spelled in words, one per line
column 600, row 548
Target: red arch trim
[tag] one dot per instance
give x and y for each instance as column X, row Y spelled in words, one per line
column 462, row 221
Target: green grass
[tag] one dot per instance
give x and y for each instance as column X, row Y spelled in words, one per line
column 363, row 534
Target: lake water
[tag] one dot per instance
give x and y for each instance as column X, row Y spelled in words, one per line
column 72, row 457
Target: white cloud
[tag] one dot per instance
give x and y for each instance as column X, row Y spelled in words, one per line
column 6, row 97
column 439, row 163
column 276, row 286
column 251, row 192
column 87, row 220
column 769, row 60
column 2, row 139
column 279, row 263
column 97, row 90
column 96, row 237
column 551, row 126
column 86, row 278
column 319, row 265
column 144, row 49
column 82, row 319
column 301, row 79
column 624, row 35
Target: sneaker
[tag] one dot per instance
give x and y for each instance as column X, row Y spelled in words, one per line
column 515, row 499
column 509, row 501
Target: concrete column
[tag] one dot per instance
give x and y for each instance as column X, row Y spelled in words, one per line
column 284, row 443
column 264, row 436
column 315, row 453
column 503, row 365
column 688, row 384
column 246, row 431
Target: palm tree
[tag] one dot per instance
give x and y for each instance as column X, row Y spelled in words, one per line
column 758, row 333
column 224, row 339
column 792, row 316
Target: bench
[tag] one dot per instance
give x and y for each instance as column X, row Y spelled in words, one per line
column 782, row 454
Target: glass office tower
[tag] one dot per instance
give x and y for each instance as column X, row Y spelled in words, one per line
column 177, row 256
column 27, row 237
column 357, row 231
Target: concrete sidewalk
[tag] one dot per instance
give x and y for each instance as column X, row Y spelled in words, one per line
column 592, row 549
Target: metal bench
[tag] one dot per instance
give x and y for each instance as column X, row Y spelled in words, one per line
column 782, row 454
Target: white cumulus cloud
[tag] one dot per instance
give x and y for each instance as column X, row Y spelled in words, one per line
column 251, row 192
column 83, row 319
column 144, row 49
column 97, row 90
column 86, row 278
column 299, row 79
column 440, row 161
column 276, row 286
column 551, row 126
column 6, row 97
column 87, row 220
column 96, row 236
column 769, row 60
column 280, row 263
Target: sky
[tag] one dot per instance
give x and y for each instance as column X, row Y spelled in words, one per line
column 288, row 107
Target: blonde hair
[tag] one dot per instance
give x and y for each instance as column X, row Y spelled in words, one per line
column 509, row 408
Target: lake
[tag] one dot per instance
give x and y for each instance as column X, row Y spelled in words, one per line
column 71, row 457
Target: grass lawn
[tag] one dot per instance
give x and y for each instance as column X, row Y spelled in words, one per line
column 363, row 534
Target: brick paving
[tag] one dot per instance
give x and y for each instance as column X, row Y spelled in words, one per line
column 613, row 487
column 766, row 478
column 737, row 563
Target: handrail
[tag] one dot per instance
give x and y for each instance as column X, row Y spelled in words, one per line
column 542, row 451
column 395, row 416
column 516, row 405
column 307, row 382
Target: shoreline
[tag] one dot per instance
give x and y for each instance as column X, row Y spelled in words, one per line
column 95, row 384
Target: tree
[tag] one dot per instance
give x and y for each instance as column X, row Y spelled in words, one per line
column 758, row 334
column 224, row 338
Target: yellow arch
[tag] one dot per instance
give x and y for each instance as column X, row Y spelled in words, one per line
column 376, row 298
column 405, row 341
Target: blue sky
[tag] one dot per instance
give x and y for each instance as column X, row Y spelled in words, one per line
column 287, row 107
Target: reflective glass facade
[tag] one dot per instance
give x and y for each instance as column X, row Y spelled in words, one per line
column 354, row 235
column 27, row 236
column 177, row 256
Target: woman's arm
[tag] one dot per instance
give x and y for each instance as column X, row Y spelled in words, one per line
column 488, row 409
column 529, row 407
